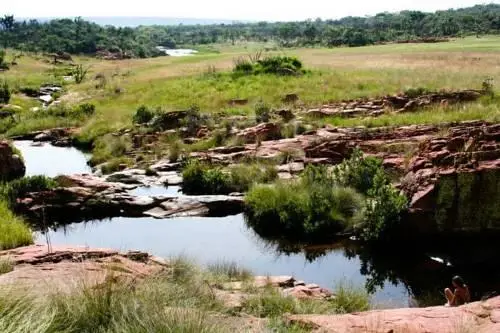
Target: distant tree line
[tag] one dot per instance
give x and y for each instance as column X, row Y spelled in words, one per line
column 77, row 36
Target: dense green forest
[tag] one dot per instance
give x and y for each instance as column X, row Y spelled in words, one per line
column 78, row 36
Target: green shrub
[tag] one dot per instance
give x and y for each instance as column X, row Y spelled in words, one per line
column 4, row 93
column 174, row 151
column 319, row 205
column 13, row 231
column 143, row 115
column 358, row 171
column 202, row 178
column 114, row 165
column 310, row 209
column 279, row 65
column 243, row 176
column 80, row 73
column 85, row 109
column 383, row 211
column 3, row 63
column 416, row 92
column 276, row 65
column 110, row 147
column 384, row 203
column 262, row 112
column 19, row 188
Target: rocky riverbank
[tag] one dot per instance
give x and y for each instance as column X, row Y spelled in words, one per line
column 450, row 173
column 64, row 268
column 480, row 317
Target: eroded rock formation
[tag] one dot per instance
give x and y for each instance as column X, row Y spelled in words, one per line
column 11, row 164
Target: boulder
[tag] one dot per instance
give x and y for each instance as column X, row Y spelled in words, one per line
column 11, row 164
column 262, row 132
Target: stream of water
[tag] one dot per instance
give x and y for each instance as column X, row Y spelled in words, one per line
column 209, row 240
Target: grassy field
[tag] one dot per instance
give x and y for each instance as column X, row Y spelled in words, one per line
column 117, row 88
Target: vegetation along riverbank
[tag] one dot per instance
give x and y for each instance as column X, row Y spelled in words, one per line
column 365, row 141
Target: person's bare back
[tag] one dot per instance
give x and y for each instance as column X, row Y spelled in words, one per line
column 460, row 295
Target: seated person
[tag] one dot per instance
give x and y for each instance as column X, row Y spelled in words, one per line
column 461, row 294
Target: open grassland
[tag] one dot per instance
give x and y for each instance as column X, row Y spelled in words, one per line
column 205, row 80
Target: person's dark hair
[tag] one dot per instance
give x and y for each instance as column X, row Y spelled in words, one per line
column 459, row 281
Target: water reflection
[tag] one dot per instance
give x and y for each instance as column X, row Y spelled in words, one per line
column 211, row 239
column 157, row 190
column 45, row 159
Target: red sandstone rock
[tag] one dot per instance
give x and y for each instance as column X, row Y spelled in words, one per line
column 479, row 317
column 11, row 165
column 68, row 267
column 264, row 131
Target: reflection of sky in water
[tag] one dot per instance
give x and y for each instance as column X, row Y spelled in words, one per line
column 157, row 190
column 52, row 161
column 210, row 239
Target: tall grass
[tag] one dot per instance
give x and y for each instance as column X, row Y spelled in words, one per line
column 350, row 298
column 6, row 265
column 13, row 231
column 229, row 271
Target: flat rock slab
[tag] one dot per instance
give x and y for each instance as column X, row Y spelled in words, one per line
column 65, row 268
column 478, row 317
column 203, row 205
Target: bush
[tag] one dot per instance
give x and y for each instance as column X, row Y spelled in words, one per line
column 358, row 171
column 319, row 205
column 310, row 209
column 384, row 203
column 85, row 109
column 3, row 63
column 143, row 115
column 19, row 188
column 383, row 212
column 243, row 176
column 4, row 93
column 202, row 178
column 174, row 151
column 262, row 112
column 114, row 165
column 279, row 65
column 276, row 65
column 110, row 147
column 13, row 231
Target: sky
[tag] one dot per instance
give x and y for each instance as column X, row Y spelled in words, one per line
column 271, row 10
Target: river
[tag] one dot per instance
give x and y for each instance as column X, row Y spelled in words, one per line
column 394, row 276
